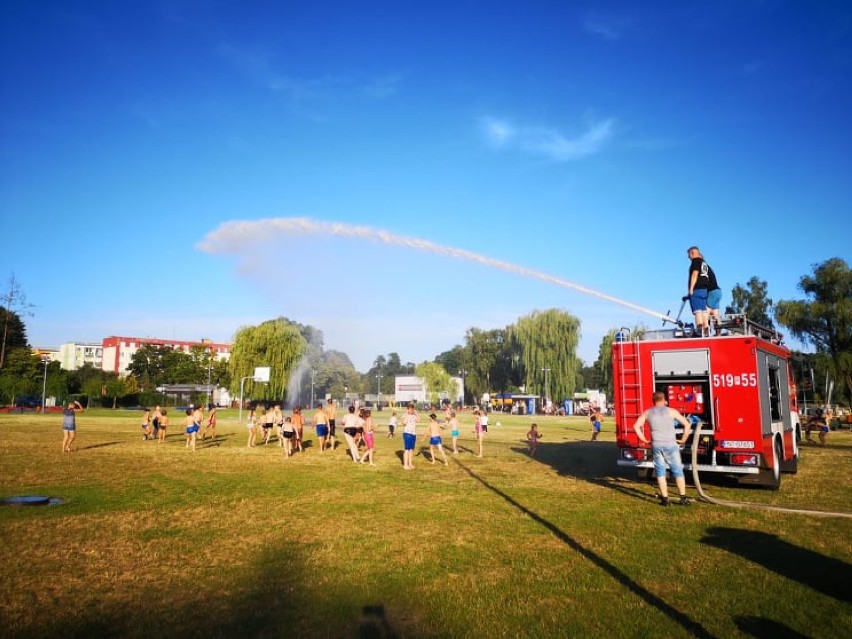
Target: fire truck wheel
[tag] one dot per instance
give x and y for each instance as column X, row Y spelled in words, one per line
column 771, row 477
column 645, row 474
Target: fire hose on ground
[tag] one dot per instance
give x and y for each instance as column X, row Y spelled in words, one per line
column 740, row 504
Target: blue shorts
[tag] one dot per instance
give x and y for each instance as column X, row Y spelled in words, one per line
column 698, row 300
column 667, row 455
column 454, row 433
column 408, row 441
column 322, row 430
column 597, row 426
column 69, row 428
column 435, row 441
column 192, row 429
column 714, row 298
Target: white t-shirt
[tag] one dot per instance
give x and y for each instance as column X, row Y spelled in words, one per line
column 409, row 421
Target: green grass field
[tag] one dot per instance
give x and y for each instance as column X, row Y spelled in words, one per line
column 155, row 541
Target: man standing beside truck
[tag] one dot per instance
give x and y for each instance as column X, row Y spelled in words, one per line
column 664, row 445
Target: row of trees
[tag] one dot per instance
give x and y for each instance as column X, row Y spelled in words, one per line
column 536, row 355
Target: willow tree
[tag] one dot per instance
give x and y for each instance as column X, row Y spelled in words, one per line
column 547, row 342
column 438, row 382
column 278, row 344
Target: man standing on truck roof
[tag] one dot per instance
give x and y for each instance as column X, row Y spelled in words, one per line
column 704, row 293
column 664, row 445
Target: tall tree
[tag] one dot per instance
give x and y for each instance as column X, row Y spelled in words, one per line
column 439, row 384
column 824, row 318
column 484, row 351
column 153, row 365
column 336, row 375
column 278, row 344
column 548, row 344
column 13, row 304
column 754, row 301
column 22, row 375
column 603, row 364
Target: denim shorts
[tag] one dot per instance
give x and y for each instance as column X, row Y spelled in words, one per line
column 667, row 455
column 698, row 300
column 714, row 298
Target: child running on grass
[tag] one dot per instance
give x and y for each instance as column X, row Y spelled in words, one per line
column 210, row 425
column 298, row 426
column 454, row 431
column 278, row 422
column 434, row 433
column 146, row 423
column 69, row 425
column 268, row 418
column 595, row 419
column 409, row 437
column 191, row 429
column 288, row 432
column 369, row 437
column 250, row 427
column 479, row 428
column 350, row 424
column 164, row 424
column 392, row 426
column 532, row 438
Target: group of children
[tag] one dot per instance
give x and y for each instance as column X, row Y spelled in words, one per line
column 155, row 424
column 358, row 429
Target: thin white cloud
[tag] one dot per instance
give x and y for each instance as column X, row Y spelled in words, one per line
column 549, row 142
column 751, row 67
column 498, row 132
column 383, row 87
column 257, row 67
column 607, row 27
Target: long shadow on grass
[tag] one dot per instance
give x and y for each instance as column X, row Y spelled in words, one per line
column 279, row 597
column 650, row 598
column 800, row 564
column 595, row 462
column 763, row 628
column 104, row 445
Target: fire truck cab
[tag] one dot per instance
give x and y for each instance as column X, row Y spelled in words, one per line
column 737, row 388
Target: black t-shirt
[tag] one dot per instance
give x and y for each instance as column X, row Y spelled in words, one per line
column 706, row 276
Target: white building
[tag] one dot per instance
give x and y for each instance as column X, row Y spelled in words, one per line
column 73, row 355
column 409, row 388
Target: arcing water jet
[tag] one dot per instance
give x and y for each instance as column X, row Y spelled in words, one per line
column 231, row 236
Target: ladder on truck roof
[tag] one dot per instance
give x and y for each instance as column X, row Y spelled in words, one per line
column 630, row 383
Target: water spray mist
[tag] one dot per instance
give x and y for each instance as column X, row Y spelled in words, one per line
column 232, row 236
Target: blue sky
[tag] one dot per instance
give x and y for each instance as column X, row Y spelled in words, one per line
column 591, row 141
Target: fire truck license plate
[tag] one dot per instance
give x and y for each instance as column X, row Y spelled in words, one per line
column 733, row 443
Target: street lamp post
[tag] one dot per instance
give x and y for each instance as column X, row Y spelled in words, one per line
column 207, row 395
column 44, row 384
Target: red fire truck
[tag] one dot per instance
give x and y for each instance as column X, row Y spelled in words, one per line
column 737, row 387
